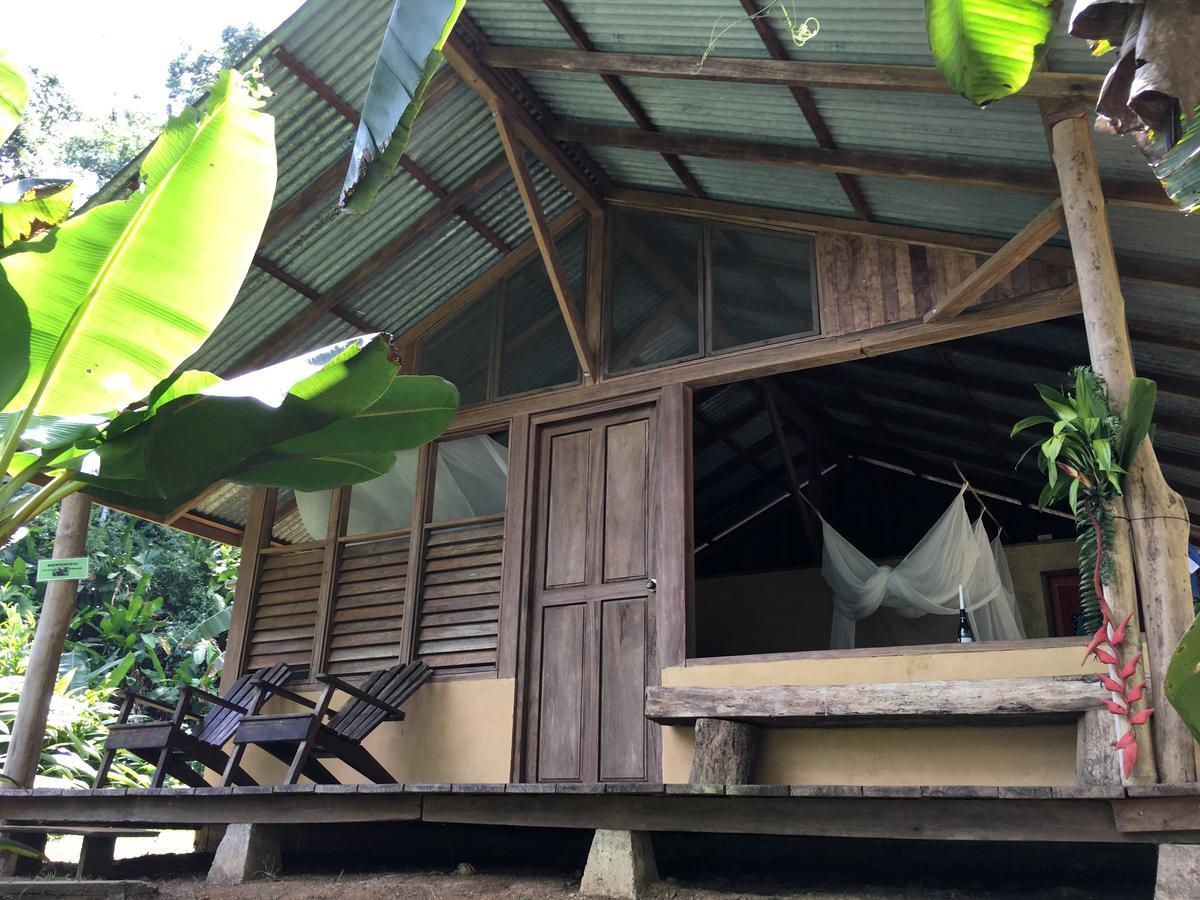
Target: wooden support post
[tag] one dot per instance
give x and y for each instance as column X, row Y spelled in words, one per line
column 1095, row 762
column 260, row 519
column 811, row 527
column 725, row 752
column 515, row 151
column 1000, row 263
column 1156, row 514
column 29, row 729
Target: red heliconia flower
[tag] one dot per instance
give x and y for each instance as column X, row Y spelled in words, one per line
column 1118, row 635
column 1141, row 718
column 1134, row 694
column 1107, row 658
column 1100, row 637
column 1116, row 708
column 1124, row 740
column 1129, row 759
column 1106, row 611
column 1131, row 666
column 1113, row 684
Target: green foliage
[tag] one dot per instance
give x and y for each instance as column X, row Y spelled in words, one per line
column 191, row 72
column 1178, row 166
column 49, row 117
column 1084, row 458
column 987, row 49
column 1182, row 685
column 408, row 58
column 14, row 94
column 109, row 142
column 31, row 205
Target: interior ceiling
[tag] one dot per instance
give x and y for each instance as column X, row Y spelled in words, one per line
column 452, row 211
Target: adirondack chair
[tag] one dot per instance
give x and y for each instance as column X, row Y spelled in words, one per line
column 171, row 748
column 299, row 739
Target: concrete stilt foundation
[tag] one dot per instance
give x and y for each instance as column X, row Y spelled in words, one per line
column 246, row 852
column 1178, row 872
column 620, row 864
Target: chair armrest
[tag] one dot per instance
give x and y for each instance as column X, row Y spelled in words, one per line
column 213, row 698
column 393, row 711
column 270, row 689
column 143, row 700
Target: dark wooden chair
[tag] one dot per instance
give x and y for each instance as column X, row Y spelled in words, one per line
column 300, row 739
column 170, row 748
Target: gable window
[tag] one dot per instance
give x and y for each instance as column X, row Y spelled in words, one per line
column 512, row 340
column 681, row 289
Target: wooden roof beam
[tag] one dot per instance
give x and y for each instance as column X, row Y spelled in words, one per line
column 1047, row 224
column 857, row 76
column 808, row 106
column 488, row 86
column 373, row 264
column 812, row 528
column 1154, row 271
column 515, row 151
column 852, row 162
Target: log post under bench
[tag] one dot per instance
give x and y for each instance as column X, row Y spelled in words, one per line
column 725, row 752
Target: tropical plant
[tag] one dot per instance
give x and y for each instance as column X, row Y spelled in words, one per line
column 408, row 58
column 1084, row 458
column 987, row 49
column 99, row 311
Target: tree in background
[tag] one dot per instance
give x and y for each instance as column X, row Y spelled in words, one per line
column 191, row 72
column 35, row 149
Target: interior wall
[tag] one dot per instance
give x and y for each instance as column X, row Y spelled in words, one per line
column 792, row 609
column 456, row 730
column 978, row 755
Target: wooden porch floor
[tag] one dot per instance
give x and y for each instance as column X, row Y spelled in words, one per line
column 1102, row 814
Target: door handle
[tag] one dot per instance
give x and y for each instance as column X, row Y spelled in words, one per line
column 651, row 585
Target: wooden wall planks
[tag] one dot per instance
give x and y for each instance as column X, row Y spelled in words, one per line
column 866, row 282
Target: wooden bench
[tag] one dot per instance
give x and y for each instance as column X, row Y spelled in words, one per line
column 728, row 719
column 99, row 842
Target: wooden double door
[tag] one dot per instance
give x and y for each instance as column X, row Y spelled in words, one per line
column 590, row 651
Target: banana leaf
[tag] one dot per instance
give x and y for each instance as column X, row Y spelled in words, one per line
column 211, row 627
column 14, row 94
column 987, row 49
column 8, row 845
column 32, row 205
column 121, row 294
column 1182, row 685
column 1178, row 169
column 276, row 429
column 408, row 58
column 14, row 343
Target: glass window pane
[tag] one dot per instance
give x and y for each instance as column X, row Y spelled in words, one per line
column 536, row 352
column 381, row 504
column 761, row 286
column 472, row 477
column 653, row 291
column 461, row 351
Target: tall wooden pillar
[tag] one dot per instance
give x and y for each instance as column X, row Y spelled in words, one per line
column 1157, row 517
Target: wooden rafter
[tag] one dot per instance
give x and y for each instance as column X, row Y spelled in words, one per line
column 872, row 77
column 375, row 263
column 851, row 162
column 515, row 151
column 808, row 106
column 811, row 527
column 1153, row 271
column 1043, row 227
column 489, row 87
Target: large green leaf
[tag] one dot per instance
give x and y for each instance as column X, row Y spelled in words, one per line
column 14, row 343
column 319, row 473
column 1135, row 421
column 32, row 204
column 183, row 445
column 1178, row 168
column 14, row 94
column 408, row 58
column 987, row 49
column 123, row 293
column 1182, row 685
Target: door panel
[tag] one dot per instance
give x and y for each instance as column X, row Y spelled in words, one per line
column 560, row 722
column 622, row 689
column 626, row 500
column 566, row 539
column 592, row 613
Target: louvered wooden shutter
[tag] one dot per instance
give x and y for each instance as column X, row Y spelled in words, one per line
column 368, row 606
column 285, row 613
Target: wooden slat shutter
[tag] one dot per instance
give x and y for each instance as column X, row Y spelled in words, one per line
column 368, row 606
column 459, row 611
column 285, row 613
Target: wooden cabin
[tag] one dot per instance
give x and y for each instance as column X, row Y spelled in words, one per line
column 693, row 311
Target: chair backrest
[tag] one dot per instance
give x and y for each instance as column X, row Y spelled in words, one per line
column 357, row 718
column 221, row 722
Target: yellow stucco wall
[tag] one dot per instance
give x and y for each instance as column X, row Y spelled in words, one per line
column 453, row 731
column 980, row 755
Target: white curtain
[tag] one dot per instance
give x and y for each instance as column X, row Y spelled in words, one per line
column 471, row 480
column 926, row 582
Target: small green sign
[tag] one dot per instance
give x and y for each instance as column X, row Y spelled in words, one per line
column 62, row 569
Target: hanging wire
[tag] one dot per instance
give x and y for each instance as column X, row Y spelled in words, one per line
column 800, row 31
column 978, row 499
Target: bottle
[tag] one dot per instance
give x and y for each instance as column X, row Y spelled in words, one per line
column 965, row 634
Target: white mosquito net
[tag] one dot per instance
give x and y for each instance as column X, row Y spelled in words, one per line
column 926, row 582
